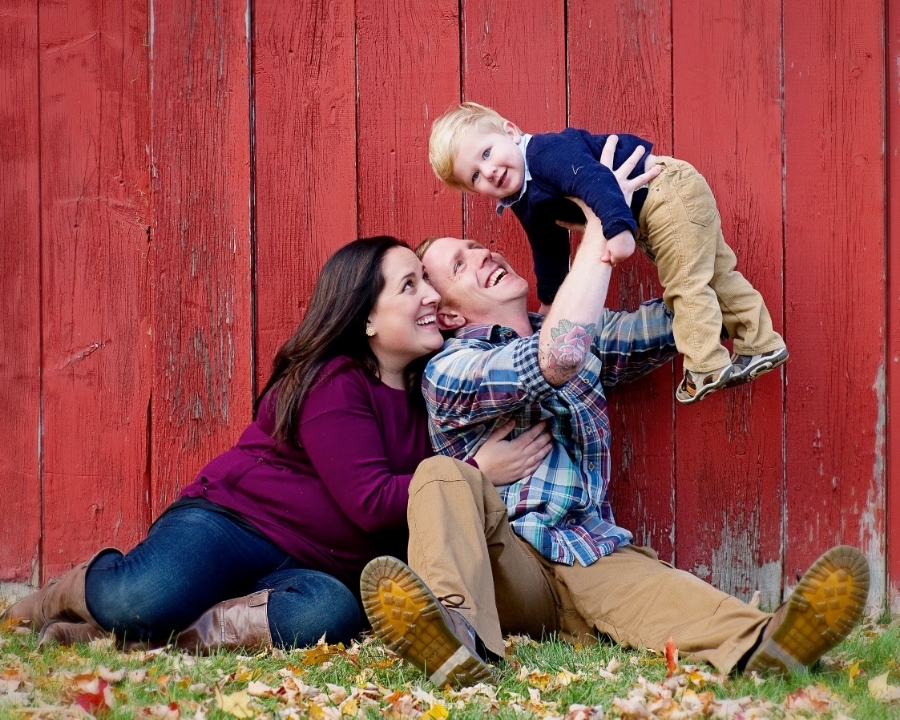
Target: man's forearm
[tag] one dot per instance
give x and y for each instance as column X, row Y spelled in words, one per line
column 568, row 331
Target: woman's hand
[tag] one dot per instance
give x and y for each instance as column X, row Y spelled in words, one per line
column 505, row 461
column 624, row 170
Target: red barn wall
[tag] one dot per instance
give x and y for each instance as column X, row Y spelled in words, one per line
column 172, row 179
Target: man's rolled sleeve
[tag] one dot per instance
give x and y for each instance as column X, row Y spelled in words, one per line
column 632, row 344
column 528, row 367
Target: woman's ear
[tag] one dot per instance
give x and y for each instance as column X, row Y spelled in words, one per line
column 449, row 319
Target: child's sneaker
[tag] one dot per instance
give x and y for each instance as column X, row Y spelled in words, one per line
column 696, row 386
column 750, row 367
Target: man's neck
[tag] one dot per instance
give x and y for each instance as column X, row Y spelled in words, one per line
column 514, row 318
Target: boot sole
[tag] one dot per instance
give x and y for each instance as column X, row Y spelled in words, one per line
column 408, row 619
column 825, row 606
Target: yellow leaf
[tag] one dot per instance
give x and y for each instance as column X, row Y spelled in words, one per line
column 853, row 671
column 435, row 712
column 237, row 704
column 316, row 712
column 350, row 707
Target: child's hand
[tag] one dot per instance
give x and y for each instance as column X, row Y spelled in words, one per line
column 625, row 185
column 618, row 248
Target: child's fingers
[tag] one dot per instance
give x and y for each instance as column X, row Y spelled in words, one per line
column 624, row 170
column 609, row 151
column 646, row 177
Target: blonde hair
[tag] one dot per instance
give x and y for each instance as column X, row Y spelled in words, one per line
column 447, row 130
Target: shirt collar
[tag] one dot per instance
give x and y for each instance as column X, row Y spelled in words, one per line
column 496, row 333
column 512, row 199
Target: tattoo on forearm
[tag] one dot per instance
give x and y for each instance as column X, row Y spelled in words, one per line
column 565, row 354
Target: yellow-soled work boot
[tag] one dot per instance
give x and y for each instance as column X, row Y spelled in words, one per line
column 414, row 624
column 826, row 605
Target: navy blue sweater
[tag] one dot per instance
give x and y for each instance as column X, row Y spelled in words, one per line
column 563, row 164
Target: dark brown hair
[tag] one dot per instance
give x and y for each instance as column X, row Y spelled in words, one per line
column 334, row 325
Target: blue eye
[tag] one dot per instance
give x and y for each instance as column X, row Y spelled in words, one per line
column 475, row 177
column 486, row 154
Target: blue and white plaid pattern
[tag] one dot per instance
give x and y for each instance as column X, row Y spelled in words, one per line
column 487, row 375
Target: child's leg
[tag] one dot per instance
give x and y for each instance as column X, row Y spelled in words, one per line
column 681, row 225
column 744, row 313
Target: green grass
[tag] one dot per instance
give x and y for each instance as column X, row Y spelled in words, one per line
column 47, row 682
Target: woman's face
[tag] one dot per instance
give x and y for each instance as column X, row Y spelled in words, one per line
column 404, row 314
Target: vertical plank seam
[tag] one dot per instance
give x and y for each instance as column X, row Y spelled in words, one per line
column 782, row 552
column 892, row 481
column 151, row 269
column 356, row 113
column 674, row 425
column 39, row 570
column 566, row 58
column 251, row 102
column 461, row 39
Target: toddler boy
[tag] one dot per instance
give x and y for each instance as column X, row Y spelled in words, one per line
column 675, row 220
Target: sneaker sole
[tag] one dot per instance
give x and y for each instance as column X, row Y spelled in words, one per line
column 740, row 378
column 408, row 619
column 721, row 382
column 826, row 605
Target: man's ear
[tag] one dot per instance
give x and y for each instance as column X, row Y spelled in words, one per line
column 449, row 319
column 512, row 131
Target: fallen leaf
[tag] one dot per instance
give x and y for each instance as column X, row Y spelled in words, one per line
column 96, row 701
column 853, row 671
column 435, row 712
column 880, row 689
column 237, row 703
column 671, row 657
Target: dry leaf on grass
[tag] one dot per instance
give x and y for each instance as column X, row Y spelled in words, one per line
column 237, row 703
column 880, row 689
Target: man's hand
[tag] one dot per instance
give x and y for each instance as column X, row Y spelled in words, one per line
column 619, row 248
column 625, row 185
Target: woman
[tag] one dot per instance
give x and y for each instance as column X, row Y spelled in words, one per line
column 266, row 546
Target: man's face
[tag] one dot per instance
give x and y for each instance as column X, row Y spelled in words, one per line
column 490, row 163
column 473, row 282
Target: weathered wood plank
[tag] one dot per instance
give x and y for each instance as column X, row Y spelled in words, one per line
column 305, row 159
column 893, row 304
column 728, row 448
column 513, row 60
column 620, row 80
column 834, row 281
column 202, row 389
column 408, row 73
column 94, row 217
column 20, row 277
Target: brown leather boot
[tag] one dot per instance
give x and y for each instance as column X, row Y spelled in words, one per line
column 826, row 605
column 416, row 625
column 69, row 633
column 62, row 599
column 239, row 623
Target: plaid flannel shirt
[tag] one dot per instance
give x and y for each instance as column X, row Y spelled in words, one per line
column 487, row 374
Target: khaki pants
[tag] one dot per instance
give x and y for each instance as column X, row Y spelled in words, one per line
column 462, row 543
column 681, row 232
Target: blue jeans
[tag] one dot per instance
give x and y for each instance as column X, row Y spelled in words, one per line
column 194, row 558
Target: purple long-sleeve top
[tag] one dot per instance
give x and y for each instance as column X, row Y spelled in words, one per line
column 339, row 498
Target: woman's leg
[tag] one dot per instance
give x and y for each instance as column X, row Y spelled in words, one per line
column 191, row 560
column 306, row 604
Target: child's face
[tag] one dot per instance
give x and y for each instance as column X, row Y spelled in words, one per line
column 490, row 163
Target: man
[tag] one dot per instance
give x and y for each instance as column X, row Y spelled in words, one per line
column 550, row 558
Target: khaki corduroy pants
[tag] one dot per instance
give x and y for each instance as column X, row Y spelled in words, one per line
column 462, row 543
column 681, row 232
